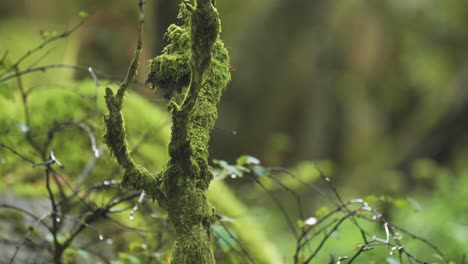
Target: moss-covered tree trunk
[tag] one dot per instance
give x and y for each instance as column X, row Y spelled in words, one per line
column 192, row 73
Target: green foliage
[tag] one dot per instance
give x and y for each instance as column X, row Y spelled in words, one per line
column 72, row 145
column 226, row 238
column 245, row 164
column 389, row 107
column 125, row 258
column 442, row 209
column 83, row 14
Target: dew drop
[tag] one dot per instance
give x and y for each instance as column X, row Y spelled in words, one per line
column 101, row 237
column 131, row 217
column 311, row 221
column 233, row 175
column 57, row 220
column 234, row 132
column 106, row 182
column 109, row 241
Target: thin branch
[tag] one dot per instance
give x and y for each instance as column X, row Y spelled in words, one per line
column 278, row 204
column 244, row 251
column 425, row 241
column 80, row 68
column 26, row 237
column 26, row 212
column 95, row 215
column 132, row 70
column 135, row 175
column 18, row 154
column 48, row 41
column 54, row 214
column 41, row 58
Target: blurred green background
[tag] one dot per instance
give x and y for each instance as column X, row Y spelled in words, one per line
column 376, row 91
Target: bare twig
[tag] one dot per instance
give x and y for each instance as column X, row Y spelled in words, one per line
column 54, row 215
column 280, row 206
column 18, row 154
column 39, row 220
column 26, row 237
column 48, row 41
column 244, row 251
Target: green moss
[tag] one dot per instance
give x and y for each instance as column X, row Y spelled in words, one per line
column 195, row 59
column 72, row 146
column 136, row 176
column 193, row 247
column 170, row 72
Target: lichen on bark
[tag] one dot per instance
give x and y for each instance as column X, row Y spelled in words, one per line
column 192, row 73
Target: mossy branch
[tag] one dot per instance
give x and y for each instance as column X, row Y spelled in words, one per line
column 192, row 72
column 135, row 176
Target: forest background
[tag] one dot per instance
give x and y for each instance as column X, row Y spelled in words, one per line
column 372, row 92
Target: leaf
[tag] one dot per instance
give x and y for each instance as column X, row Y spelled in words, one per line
column 219, row 174
column 129, row 258
column 300, row 223
column 137, row 246
column 392, row 261
column 260, row 171
column 322, row 211
column 44, row 33
column 439, row 257
column 371, row 199
column 83, row 14
column 226, row 170
column 415, row 204
column 400, row 202
column 6, row 92
column 226, row 237
column 246, row 159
